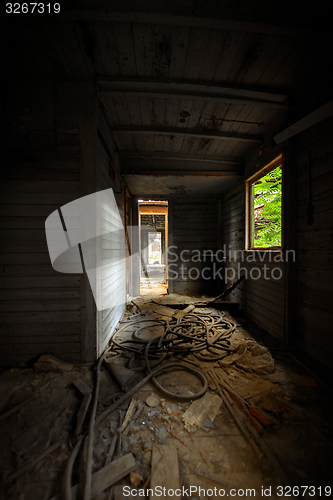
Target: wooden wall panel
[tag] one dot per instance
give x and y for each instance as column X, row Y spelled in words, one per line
column 261, row 294
column 298, row 307
column 313, row 151
column 265, row 297
column 195, row 230
column 232, row 236
column 40, row 308
column 112, row 275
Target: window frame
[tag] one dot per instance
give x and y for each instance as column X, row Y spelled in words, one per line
column 278, row 160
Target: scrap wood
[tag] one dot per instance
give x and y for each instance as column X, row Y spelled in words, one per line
column 81, row 386
column 242, row 404
column 143, row 303
column 237, row 419
column 135, row 416
column 180, row 314
column 250, row 416
column 250, row 409
column 165, row 469
column 107, row 476
column 17, row 408
column 119, row 432
column 34, row 461
column 254, row 438
column 251, row 388
column 265, row 418
column 112, row 448
column 129, row 414
column 201, row 409
column 82, row 413
column 164, row 311
column 8, row 396
column 155, row 372
column 24, row 403
column 112, row 473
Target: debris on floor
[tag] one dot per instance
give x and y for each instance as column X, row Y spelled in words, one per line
column 184, row 396
column 201, row 410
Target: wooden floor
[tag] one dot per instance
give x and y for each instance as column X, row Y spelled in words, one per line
column 153, row 289
column 291, row 408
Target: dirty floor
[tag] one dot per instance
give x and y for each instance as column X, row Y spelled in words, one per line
column 264, row 422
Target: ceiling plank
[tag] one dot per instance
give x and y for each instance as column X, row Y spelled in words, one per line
column 205, row 133
column 194, row 90
column 194, row 21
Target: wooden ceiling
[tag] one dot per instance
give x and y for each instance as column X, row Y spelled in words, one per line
column 188, row 86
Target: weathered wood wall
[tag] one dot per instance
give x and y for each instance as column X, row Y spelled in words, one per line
column 194, row 231
column 298, row 307
column 40, row 308
column 264, row 288
column 232, row 237
column 313, row 155
column 51, row 155
column 112, row 274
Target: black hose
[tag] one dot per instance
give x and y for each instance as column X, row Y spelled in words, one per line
column 196, row 332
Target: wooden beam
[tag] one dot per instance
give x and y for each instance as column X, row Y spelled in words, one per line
column 215, row 23
column 200, row 96
column 320, row 114
column 182, row 173
column 169, row 155
column 175, row 86
column 178, row 166
column 194, row 91
column 203, row 133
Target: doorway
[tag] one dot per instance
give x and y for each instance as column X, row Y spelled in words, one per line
column 153, row 223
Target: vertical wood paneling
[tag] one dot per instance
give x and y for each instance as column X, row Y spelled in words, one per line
column 314, row 162
column 112, row 275
column 262, row 293
column 194, row 231
column 40, row 308
column 232, row 234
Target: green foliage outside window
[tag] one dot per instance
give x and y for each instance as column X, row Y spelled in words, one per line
column 267, row 204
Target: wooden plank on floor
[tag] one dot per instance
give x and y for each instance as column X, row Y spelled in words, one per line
column 202, row 409
column 165, row 469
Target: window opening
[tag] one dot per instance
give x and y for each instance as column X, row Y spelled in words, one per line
column 264, row 207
